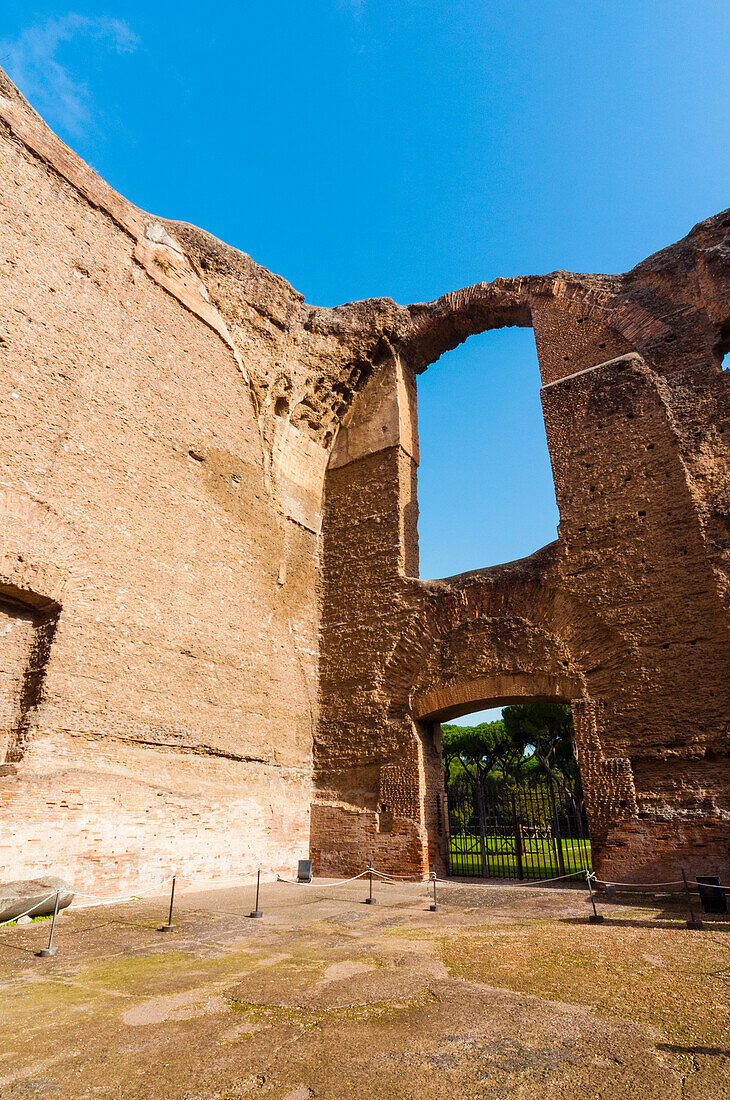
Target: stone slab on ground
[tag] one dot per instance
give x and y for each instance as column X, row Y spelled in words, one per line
column 37, row 895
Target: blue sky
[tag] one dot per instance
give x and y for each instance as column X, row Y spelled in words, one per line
column 408, row 147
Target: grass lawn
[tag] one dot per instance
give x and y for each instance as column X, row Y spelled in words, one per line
column 539, row 858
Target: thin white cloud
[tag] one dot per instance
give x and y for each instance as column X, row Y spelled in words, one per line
column 31, row 61
column 357, row 7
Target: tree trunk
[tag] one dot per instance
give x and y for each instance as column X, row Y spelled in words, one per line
column 481, row 814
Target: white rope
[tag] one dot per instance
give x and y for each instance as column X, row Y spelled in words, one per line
column 106, row 900
column 343, row 881
column 28, row 911
column 509, row 884
column 654, row 885
column 404, row 879
column 636, row 885
column 322, row 885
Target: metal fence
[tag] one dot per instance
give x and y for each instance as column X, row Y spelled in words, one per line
column 535, row 830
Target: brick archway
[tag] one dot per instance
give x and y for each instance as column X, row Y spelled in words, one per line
column 591, row 618
column 503, row 637
column 485, row 692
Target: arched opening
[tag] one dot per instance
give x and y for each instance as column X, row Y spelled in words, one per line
column 485, row 485
column 514, row 805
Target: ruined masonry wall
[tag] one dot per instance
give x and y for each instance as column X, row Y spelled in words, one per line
column 174, row 728
column 215, row 650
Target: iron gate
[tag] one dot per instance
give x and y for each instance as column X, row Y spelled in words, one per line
column 536, row 830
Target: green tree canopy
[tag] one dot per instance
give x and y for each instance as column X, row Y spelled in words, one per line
column 545, row 730
column 480, row 750
column 477, row 748
column 529, row 737
column 529, row 741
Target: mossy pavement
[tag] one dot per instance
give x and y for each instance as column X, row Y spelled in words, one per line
column 506, row 992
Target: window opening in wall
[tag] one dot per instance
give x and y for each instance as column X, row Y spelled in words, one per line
column 514, row 794
column 25, row 640
column 485, row 486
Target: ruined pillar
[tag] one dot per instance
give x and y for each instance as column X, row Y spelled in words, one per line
column 369, row 764
column 634, row 556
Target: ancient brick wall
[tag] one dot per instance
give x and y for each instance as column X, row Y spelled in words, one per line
column 215, row 650
column 173, row 727
column 625, row 616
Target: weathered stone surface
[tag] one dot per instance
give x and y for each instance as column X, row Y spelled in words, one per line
column 504, row 993
column 36, row 895
column 625, row 615
column 216, row 651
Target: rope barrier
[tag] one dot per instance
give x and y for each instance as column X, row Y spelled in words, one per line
column 107, row 899
column 509, row 884
column 654, row 885
column 640, row 885
column 590, row 878
column 405, row 879
column 395, row 879
column 391, row 879
column 330, row 885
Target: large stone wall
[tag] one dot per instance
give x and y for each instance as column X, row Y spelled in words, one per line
column 215, row 648
column 625, row 616
column 173, row 728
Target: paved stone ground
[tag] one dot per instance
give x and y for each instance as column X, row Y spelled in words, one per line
column 505, row 993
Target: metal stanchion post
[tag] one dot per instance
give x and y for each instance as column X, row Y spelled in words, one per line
column 45, row 952
column 595, row 917
column 168, row 927
column 257, row 912
column 692, row 922
column 370, row 900
column 435, row 906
